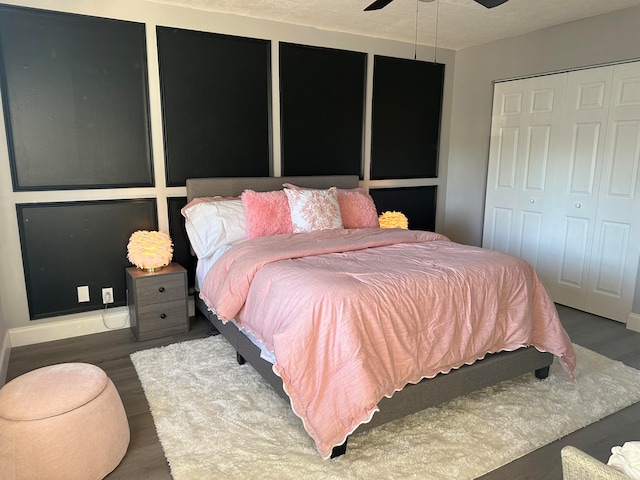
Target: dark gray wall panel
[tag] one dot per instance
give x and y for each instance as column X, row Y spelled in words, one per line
column 216, row 104
column 417, row 203
column 75, row 96
column 66, row 245
column 322, row 96
column 405, row 131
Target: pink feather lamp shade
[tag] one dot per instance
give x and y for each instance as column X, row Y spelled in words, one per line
column 150, row 250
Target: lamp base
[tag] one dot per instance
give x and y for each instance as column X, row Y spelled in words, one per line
column 152, row 270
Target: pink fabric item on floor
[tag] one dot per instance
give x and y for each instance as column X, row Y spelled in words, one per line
column 354, row 315
column 62, row 422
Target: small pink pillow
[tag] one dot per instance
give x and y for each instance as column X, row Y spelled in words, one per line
column 358, row 210
column 314, row 209
column 267, row 213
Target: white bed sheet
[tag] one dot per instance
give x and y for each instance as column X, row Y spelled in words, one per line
column 202, row 267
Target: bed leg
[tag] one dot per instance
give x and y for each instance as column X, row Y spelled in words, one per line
column 339, row 450
column 542, row 373
column 240, row 359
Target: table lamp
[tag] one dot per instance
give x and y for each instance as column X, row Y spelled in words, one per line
column 150, row 251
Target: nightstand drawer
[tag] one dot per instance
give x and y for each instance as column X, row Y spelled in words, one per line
column 157, row 301
column 162, row 315
column 161, row 288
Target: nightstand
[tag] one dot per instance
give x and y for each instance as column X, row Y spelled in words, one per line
column 158, row 301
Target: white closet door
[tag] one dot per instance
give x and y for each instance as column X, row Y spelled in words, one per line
column 522, row 147
column 574, row 184
column 616, row 240
column 563, row 187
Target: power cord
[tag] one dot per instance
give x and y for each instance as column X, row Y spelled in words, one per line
column 104, row 312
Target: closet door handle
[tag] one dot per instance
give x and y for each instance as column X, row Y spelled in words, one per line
column 578, row 204
column 532, row 200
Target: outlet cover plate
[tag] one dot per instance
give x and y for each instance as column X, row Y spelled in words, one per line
column 107, row 295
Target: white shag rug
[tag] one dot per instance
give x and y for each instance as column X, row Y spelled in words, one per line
column 219, row 420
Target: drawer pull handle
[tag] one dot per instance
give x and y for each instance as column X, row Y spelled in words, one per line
column 163, row 315
column 161, row 289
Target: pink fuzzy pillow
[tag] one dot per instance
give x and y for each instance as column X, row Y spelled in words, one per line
column 267, row 213
column 358, row 210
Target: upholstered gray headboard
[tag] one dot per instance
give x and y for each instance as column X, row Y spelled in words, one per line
column 234, row 186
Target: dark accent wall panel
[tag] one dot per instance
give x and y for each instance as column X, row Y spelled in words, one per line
column 322, row 97
column 216, row 101
column 417, row 203
column 76, row 106
column 181, row 246
column 405, row 131
column 70, row 244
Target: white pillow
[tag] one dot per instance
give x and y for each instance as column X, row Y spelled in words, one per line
column 212, row 224
column 314, row 209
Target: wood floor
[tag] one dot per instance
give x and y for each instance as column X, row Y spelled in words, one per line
column 145, row 458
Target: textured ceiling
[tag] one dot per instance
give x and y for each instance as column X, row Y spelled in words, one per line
column 460, row 23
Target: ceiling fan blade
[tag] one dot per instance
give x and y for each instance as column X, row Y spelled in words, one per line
column 378, row 4
column 490, row 3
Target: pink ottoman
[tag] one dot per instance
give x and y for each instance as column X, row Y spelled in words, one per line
column 65, row 421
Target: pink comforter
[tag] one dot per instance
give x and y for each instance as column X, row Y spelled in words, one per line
column 354, row 315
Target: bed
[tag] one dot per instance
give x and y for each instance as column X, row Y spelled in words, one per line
column 295, row 368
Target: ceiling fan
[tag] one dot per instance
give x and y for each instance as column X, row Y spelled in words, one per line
column 378, row 4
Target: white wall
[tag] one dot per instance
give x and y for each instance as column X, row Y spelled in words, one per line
column 5, row 345
column 12, row 284
column 596, row 41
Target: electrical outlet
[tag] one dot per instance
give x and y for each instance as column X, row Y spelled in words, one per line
column 107, row 295
column 83, row 293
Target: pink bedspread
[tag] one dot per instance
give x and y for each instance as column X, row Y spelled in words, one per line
column 354, row 315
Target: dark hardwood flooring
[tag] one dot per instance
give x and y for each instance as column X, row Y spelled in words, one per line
column 145, row 458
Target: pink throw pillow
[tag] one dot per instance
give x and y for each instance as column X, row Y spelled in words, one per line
column 358, row 210
column 267, row 213
column 314, row 209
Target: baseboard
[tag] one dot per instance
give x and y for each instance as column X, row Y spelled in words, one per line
column 82, row 324
column 633, row 322
column 5, row 351
column 75, row 326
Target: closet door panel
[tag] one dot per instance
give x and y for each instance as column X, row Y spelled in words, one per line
column 610, row 259
column 532, row 204
column 575, row 183
column 503, row 164
column 538, row 139
column 573, row 268
column 523, row 147
column 531, row 235
column 500, row 229
column 616, row 246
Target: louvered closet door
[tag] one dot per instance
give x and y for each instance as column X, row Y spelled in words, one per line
column 523, row 149
column 616, row 241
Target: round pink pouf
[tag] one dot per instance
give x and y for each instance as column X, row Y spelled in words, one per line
column 64, row 421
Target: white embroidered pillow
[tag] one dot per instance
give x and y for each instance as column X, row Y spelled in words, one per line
column 314, row 209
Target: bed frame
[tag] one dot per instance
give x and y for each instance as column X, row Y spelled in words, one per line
column 492, row 369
